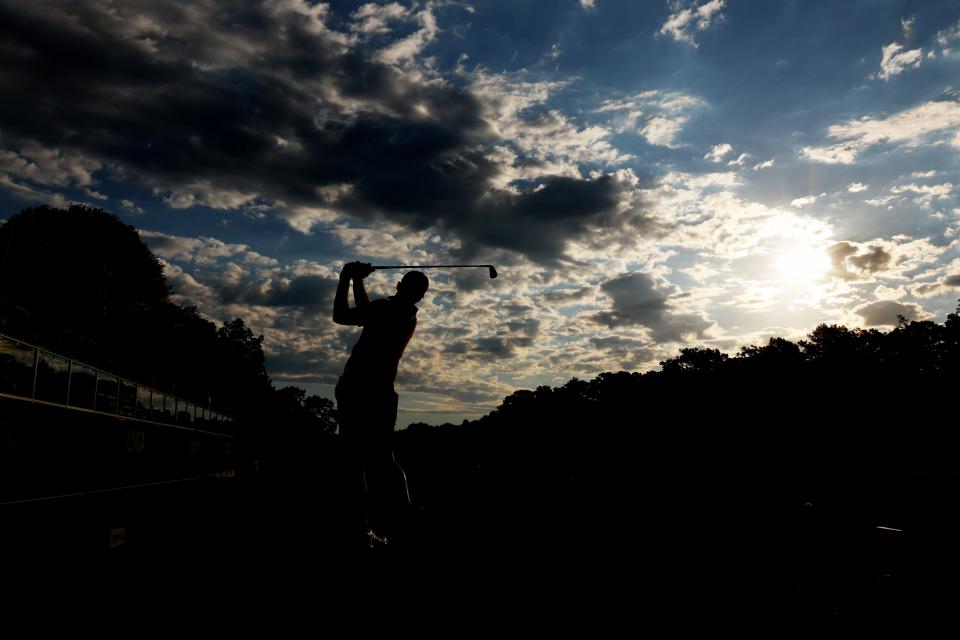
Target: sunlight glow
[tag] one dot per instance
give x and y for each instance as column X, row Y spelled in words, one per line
column 802, row 264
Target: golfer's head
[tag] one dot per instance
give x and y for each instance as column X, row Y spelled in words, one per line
column 413, row 285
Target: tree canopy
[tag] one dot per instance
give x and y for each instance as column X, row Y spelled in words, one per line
column 840, row 397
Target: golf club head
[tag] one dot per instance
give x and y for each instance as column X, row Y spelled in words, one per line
column 493, row 272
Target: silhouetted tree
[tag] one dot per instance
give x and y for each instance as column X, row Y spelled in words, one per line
column 841, row 398
column 83, row 271
column 696, row 360
column 323, row 411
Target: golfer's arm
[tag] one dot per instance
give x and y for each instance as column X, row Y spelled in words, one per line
column 342, row 313
column 360, row 294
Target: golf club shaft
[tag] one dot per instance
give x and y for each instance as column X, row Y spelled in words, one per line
column 430, row 266
column 493, row 271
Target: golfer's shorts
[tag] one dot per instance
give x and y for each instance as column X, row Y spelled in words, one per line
column 367, row 416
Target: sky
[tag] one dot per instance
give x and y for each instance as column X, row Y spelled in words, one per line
column 646, row 176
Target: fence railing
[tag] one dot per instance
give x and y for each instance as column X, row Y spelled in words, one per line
column 32, row 373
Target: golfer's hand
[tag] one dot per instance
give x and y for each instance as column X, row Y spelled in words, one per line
column 357, row 270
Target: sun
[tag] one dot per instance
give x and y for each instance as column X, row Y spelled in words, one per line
column 802, row 264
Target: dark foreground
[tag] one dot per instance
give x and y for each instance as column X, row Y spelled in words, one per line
column 695, row 549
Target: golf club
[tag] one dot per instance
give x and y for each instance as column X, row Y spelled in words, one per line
column 493, row 272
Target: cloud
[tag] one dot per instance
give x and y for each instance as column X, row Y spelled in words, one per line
column 927, row 290
column 391, row 242
column 658, row 116
column 720, row 226
column 411, row 46
column 910, row 128
column 539, row 222
column 766, row 164
column 200, row 250
column 718, row 152
column 49, row 166
column 900, row 258
column 857, row 187
column 686, row 19
column 882, row 201
column 203, row 193
column 372, row 18
column 907, row 25
column 532, row 141
column 895, row 61
column 30, row 194
column 844, row 255
column 301, row 291
column 516, row 333
column 588, row 4
column 936, row 288
column 739, row 161
column 836, row 154
column 184, row 286
column 662, row 131
column 947, row 39
column 875, row 259
column 629, row 353
column 130, row 206
column 802, row 202
column 564, row 296
column 887, row 312
column 637, row 300
column 490, row 348
column 279, row 113
column 927, row 192
column 311, row 363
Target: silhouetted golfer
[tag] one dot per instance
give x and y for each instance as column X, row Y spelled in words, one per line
column 366, row 401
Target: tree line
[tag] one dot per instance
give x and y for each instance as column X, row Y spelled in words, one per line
column 840, row 399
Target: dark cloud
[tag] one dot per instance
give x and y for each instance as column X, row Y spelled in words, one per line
column 321, row 366
column 875, row 259
column 519, row 332
column 310, row 292
column 631, row 353
column 927, row 289
column 459, row 347
column 162, row 244
column 638, row 301
column 232, row 102
column 934, row 288
column 529, row 327
column 561, row 296
column 465, row 280
column 496, row 346
column 838, row 255
column 540, row 221
column 886, row 312
column 304, row 291
column 841, row 254
column 491, row 347
column 443, row 333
